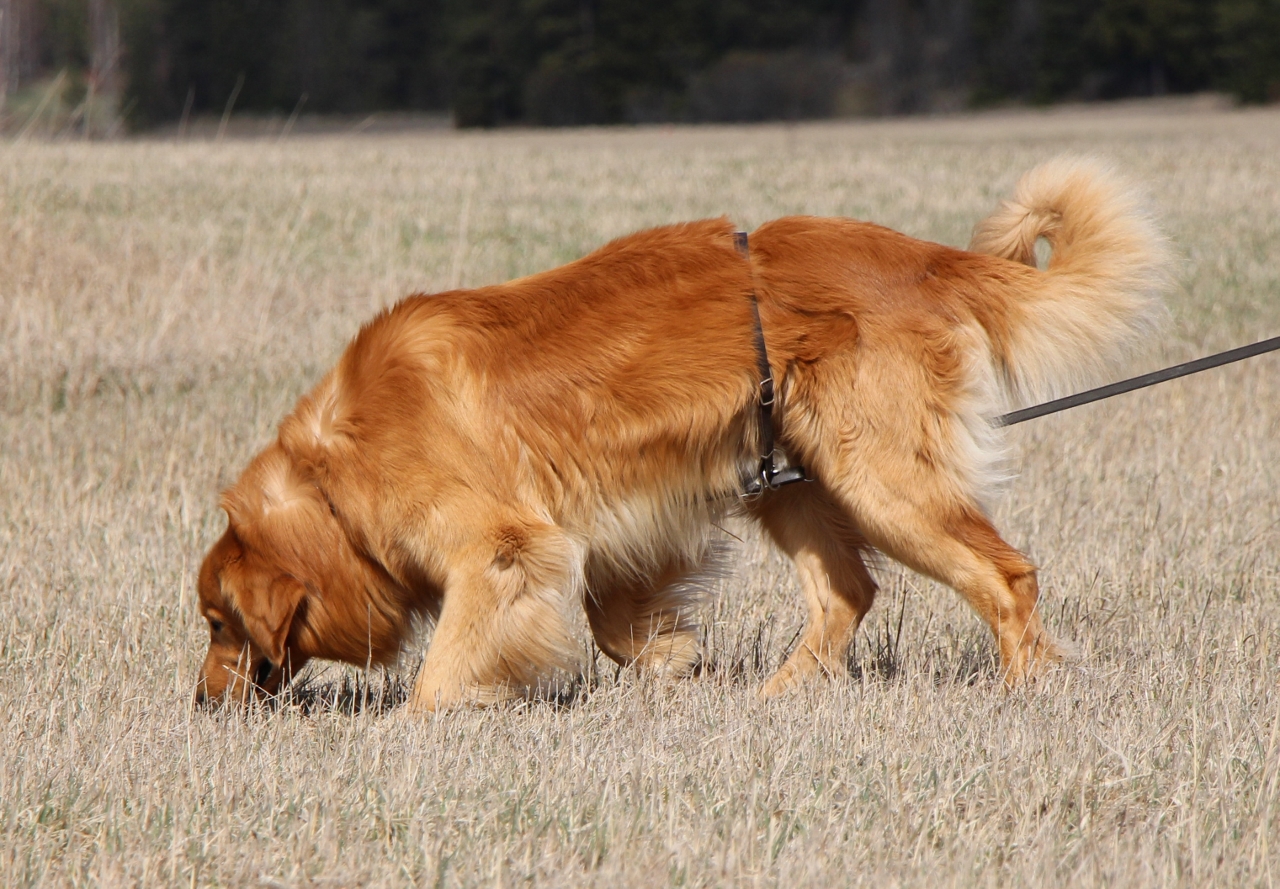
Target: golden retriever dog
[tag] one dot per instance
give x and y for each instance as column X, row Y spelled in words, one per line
column 494, row 459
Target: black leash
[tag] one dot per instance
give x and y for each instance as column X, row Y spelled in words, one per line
column 769, row 476
column 1140, row 382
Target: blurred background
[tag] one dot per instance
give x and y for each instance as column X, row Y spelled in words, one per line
column 102, row 67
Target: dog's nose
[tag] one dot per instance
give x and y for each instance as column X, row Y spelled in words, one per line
column 263, row 673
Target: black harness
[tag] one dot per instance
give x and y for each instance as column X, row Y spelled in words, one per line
column 770, row 475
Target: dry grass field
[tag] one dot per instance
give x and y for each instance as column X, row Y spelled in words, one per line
column 162, row 305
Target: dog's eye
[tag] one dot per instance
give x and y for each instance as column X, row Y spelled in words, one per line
column 215, row 625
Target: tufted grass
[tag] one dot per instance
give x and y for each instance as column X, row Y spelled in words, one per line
column 162, row 304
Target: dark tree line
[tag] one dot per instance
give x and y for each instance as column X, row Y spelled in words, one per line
column 555, row 62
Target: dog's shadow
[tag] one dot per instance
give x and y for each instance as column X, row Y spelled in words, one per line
column 748, row 659
column 351, row 694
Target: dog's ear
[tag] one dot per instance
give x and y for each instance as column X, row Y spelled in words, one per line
column 270, row 616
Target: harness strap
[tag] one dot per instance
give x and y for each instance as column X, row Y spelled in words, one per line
column 769, row 476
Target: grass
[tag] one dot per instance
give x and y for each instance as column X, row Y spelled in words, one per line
column 162, row 305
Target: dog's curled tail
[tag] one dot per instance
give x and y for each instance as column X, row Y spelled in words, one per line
column 1099, row 295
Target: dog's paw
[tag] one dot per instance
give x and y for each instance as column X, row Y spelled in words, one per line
column 789, row 675
column 1036, row 659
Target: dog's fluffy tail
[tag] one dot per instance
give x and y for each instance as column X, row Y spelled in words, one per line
column 1099, row 295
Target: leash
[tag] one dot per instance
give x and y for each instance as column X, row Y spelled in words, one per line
column 1139, row 382
column 769, row 475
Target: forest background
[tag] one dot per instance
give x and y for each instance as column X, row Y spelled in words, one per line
column 99, row 65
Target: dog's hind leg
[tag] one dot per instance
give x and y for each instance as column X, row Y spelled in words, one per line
column 838, row 590
column 648, row 622
column 899, row 438
column 952, row 541
column 503, row 629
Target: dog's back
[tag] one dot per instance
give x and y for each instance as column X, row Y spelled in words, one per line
column 628, row 371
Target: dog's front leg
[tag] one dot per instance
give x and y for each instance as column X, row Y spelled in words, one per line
column 503, row 630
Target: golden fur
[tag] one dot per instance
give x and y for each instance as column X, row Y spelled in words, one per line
column 496, row 458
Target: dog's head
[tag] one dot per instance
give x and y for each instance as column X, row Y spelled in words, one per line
column 256, row 580
column 247, row 603
column 284, row 584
